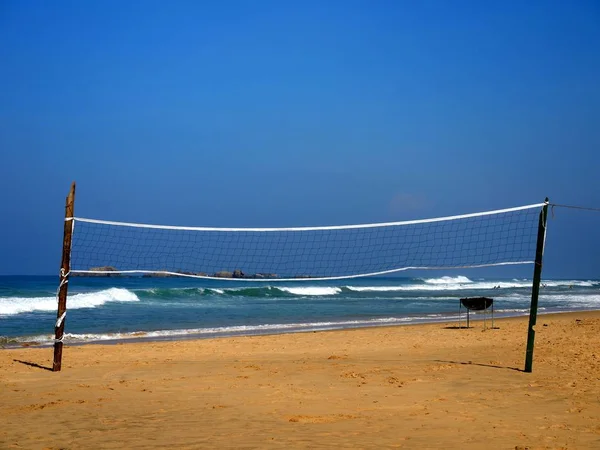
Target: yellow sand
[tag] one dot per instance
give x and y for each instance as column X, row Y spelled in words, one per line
column 425, row 386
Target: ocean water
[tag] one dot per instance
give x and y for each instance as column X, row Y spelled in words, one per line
column 115, row 309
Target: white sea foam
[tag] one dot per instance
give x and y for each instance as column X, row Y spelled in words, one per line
column 312, row 290
column 574, row 283
column 516, row 310
column 463, row 283
column 448, row 280
column 15, row 305
column 241, row 329
column 423, row 287
column 578, row 300
column 377, row 288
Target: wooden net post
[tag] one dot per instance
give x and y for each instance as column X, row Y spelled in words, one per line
column 535, row 289
column 59, row 328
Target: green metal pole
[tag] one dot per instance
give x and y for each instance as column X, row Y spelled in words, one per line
column 535, row 288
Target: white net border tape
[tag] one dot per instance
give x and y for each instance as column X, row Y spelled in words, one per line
column 335, row 227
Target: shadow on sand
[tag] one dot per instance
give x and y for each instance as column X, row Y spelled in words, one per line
column 31, row 364
column 471, row 363
column 456, row 327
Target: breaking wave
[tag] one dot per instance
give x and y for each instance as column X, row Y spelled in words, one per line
column 16, row 305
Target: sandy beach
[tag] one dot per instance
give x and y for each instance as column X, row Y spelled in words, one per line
column 419, row 386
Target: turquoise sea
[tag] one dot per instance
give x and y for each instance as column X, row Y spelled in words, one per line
column 121, row 308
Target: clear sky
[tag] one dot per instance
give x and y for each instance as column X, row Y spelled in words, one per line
column 283, row 113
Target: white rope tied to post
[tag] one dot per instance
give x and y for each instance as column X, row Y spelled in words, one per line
column 60, row 319
column 64, row 280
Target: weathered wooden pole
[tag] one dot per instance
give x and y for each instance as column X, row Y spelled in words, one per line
column 535, row 289
column 59, row 328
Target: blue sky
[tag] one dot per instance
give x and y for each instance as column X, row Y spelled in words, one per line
column 281, row 113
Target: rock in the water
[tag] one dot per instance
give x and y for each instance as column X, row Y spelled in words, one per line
column 157, row 275
column 262, row 276
column 98, row 272
column 223, row 274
